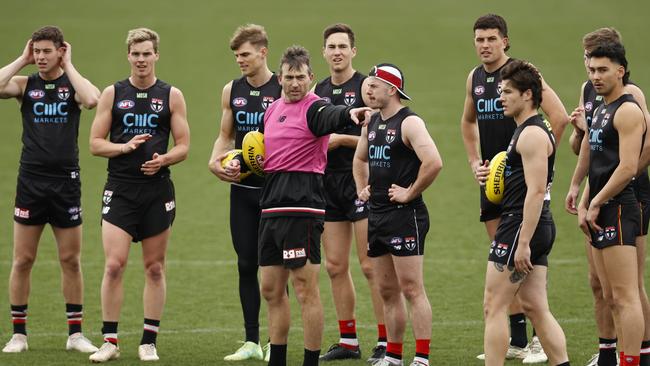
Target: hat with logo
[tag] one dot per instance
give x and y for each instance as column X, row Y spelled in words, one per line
column 392, row 75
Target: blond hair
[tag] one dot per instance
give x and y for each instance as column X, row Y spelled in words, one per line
column 253, row 33
column 139, row 35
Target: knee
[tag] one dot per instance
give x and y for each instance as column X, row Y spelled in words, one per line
column 246, row 267
column 306, row 292
column 155, row 271
column 70, row 262
column 412, row 290
column 389, row 293
column 272, row 293
column 23, row 263
column 336, row 268
column 114, row 270
column 366, row 268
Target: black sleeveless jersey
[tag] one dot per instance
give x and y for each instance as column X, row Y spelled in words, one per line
column 390, row 160
column 604, row 145
column 349, row 94
column 248, row 105
column 515, row 191
column 591, row 100
column 50, row 128
column 495, row 129
column 137, row 112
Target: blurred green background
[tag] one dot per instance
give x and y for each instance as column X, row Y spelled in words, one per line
column 431, row 41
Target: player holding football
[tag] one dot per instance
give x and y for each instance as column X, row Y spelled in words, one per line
column 484, row 124
column 140, row 113
column 243, row 104
column 344, row 213
column 518, row 263
column 49, row 186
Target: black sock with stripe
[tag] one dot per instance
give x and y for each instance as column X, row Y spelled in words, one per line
column 150, row 331
column 19, row 318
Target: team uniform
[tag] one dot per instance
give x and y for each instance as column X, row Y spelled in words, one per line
column 398, row 229
column 641, row 183
column 248, row 105
column 142, row 205
column 342, row 203
column 506, row 239
column 293, row 196
column 495, row 129
column 48, row 188
column 619, row 217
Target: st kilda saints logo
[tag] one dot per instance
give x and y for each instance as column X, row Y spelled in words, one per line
column 156, row 105
column 390, row 135
column 349, row 98
column 266, row 101
column 63, row 93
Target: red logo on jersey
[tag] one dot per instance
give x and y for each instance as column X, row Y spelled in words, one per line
column 125, row 104
column 479, row 90
column 266, row 101
column 239, row 102
column 63, row 92
column 156, row 105
column 349, row 98
column 36, row 94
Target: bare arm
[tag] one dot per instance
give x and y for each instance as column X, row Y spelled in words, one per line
column 12, row 86
column 360, row 166
column 628, row 121
column 225, row 141
column 416, row 136
column 638, row 95
column 99, row 145
column 579, row 174
column 86, row 93
column 341, row 140
column 469, row 131
column 535, row 162
column 577, row 119
column 555, row 111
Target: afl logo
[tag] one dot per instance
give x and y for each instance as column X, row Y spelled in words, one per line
column 588, row 106
column 36, row 94
column 327, row 99
column 239, row 102
column 371, row 135
column 479, row 90
column 125, row 104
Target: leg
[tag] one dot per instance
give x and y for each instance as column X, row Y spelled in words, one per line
column 68, row 242
column 499, row 293
column 337, row 240
column 26, row 239
column 620, row 283
column 305, row 283
column 116, row 251
column 274, row 283
column 411, row 283
column 391, row 295
column 361, row 237
column 535, row 303
column 645, row 304
column 602, row 310
column 154, row 250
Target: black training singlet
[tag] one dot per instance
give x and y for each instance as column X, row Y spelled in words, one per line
column 50, row 128
column 137, row 112
column 591, row 100
column 248, row 105
column 604, row 145
column 515, row 191
column 495, row 129
column 390, row 160
column 349, row 94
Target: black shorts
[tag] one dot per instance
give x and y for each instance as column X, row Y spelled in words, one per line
column 142, row 210
column 342, row 203
column 505, row 242
column 621, row 225
column 489, row 211
column 289, row 241
column 48, row 200
column 400, row 232
column 642, row 192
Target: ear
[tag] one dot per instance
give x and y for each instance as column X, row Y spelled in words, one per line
column 620, row 71
column 506, row 42
column 528, row 95
column 354, row 51
column 264, row 51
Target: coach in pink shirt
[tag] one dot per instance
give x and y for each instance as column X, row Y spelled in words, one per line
column 296, row 131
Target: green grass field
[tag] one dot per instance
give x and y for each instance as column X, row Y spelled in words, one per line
column 430, row 40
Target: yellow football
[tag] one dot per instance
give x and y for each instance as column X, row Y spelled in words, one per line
column 236, row 154
column 496, row 180
column 253, row 151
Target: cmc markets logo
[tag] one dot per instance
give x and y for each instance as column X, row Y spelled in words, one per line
column 125, row 104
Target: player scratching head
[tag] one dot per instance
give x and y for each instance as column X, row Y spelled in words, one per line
column 48, row 48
